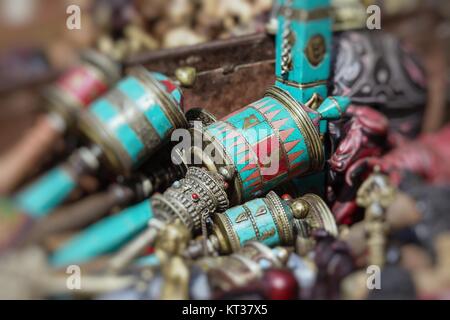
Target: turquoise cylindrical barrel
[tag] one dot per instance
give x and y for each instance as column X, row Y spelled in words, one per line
column 267, row 220
column 104, row 236
column 269, row 142
column 46, row 193
column 133, row 120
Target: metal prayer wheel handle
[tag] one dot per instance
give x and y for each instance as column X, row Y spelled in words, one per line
column 104, row 236
column 132, row 121
column 50, row 190
column 19, row 162
column 135, row 247
column 92, row 208
column 65, row 99
column 81, row 213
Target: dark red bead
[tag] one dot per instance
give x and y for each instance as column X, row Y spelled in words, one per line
column 286, row 197
column 280, row 284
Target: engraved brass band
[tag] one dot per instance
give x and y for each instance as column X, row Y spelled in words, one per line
column 285, row 229
column 200, row 191
column 117, row 157
column 135, row 119
column 304, row 15
column 60, row 102
column 300, row 116
column 225, row 233
column 302, row 85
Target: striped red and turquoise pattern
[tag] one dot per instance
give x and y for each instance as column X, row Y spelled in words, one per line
column 262, row 131
column 136, row 117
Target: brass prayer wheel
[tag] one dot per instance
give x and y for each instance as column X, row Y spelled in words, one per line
column 134, row 119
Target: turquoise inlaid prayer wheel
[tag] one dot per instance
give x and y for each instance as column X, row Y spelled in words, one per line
column 134, row 119
column 126, row 126
column 270, row 220
column 268, row 142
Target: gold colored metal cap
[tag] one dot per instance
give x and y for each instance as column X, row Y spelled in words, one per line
column 319, row 217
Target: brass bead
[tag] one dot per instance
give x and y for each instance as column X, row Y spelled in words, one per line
column 300, row 209
column 186, row 76
column 282, row 254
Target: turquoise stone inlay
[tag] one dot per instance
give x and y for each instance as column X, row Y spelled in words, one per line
column 333, row 107
column 241, row 224
column 104, row 236
column 312, row 35
column 267, row 229
column 148, row 104
column 110, row 116
column 254, row 221
column 47, row 193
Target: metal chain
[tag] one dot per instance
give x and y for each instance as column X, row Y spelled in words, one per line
column 286, row 58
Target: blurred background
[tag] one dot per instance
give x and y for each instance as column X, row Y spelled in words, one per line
column 35, row 43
